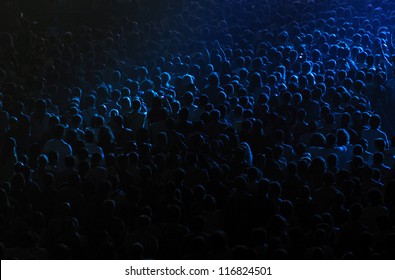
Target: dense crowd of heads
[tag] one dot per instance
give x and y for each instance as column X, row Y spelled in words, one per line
column 220, row 130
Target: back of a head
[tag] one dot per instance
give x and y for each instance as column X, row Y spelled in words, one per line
column 213, row 79
column 375, row 121
column 358, row 150
column 317, row 140
column 215, row 115
column 301, row 114
column 312, row 126
column 183, row 114
column 118, row 120
column 331, row 140
column 173, row 213
column 96, row 158
column 59, row 131
column 136, row 104
column 76, row 120
column 356, row 210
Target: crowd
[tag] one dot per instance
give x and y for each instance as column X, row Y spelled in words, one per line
column 220, row 130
